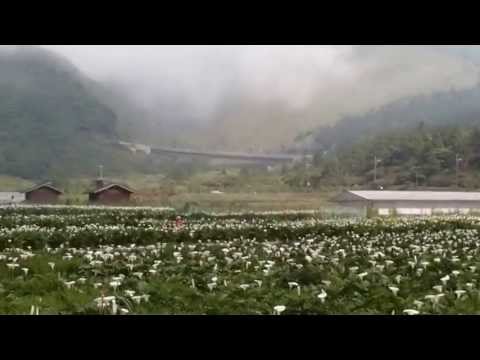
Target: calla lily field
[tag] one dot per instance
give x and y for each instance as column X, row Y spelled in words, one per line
column 127, row 261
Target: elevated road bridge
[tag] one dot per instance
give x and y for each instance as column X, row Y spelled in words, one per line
column 262, row 158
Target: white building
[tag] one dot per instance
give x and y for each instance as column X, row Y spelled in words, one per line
column 411, row 202
column 11, row 198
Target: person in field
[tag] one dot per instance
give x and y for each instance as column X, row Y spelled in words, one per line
column 179, row 222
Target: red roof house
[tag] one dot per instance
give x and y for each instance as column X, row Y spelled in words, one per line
column 111, row 193
column 43, row 194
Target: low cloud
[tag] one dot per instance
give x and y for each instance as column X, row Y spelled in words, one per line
column 316, row 83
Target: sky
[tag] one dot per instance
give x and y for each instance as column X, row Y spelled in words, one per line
column 203, row 74
column 322, row 83
column 293, row 74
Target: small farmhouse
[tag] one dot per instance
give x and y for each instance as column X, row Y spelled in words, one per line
column 109, row 194
column 386, row 203
column 43, row 194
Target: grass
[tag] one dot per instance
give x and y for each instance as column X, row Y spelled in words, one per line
column 242, row 190
column 251, row 190
column 11, row 183
column 249, row 201
column 247, row 189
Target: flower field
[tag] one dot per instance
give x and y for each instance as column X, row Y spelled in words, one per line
column 88, row 260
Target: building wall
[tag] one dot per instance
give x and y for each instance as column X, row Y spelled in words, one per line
column 425, row 207
column 419, row 208
column 6, row 198
column 42, row 196
column 112, row 196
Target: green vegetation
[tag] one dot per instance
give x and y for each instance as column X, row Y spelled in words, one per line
column 57, row 124
column 227, row 189
column 420, row 141
column 426, row 157
column 208, row 190
column 51, row 123
column 454, row 107
column 79, row 260
column 13, row 184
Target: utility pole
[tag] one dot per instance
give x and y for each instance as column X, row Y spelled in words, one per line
column 376, row 161
column 337, row 167
column 415, row 169
column 100, row 172
column 458, row 160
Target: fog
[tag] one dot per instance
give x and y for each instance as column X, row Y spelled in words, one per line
column 248, row 91
column 202, row 74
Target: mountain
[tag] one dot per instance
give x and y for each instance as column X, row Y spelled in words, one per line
column 425, row 155
column 266, row 102
column 420, row 139
column 453, row 107
column 51, row 122
column 165, row 124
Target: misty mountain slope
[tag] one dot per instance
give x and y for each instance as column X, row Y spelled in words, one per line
column 454, row 107
column 417, row 139
column 422, row 156
column 50, row 123
column 165, row 125
column 241, row 98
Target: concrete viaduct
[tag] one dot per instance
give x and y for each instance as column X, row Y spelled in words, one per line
column 257, row 158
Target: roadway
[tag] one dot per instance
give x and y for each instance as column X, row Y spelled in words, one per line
column 213, row 155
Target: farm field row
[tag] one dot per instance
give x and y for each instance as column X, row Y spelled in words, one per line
column 79, row 260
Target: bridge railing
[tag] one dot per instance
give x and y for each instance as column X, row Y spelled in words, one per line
column 220, row 155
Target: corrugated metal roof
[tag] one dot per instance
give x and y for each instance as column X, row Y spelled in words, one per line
column 48, row 185
column 106, row 187
column 416, row 195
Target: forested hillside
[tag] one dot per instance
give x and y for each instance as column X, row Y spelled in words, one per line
column 454, row 107
column 51, row 124
column 425, row 156
column 424, row 141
